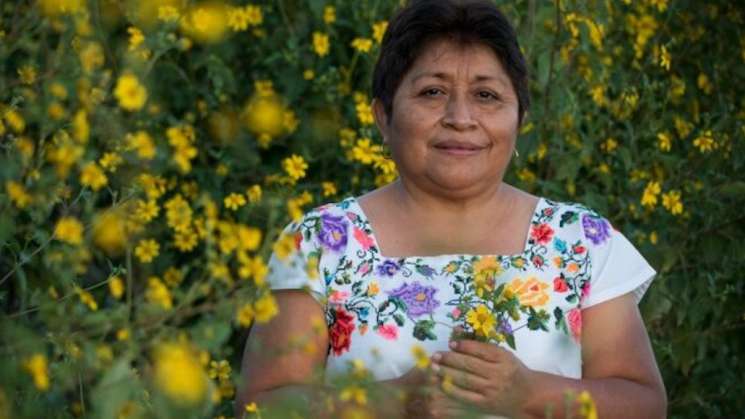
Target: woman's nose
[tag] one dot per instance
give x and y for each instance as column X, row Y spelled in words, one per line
column 458, row 114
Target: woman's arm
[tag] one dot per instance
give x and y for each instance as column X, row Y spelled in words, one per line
column 618, row 367
column 285, row 358
column 285, row 355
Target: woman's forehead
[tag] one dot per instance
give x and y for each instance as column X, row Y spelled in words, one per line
column 448, row 60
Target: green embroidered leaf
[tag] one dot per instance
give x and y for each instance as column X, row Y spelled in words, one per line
column 399, row 319
column 568, row 217
column 423, row 330
column 510, row 339
column 571, row 298
column 560, row 322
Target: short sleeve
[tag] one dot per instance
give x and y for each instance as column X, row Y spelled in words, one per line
column 617, row 267
column 294, row 263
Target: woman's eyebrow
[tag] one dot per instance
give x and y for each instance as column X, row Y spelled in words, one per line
column 448, row 77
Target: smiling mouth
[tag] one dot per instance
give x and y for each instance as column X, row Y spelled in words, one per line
column 459, row 149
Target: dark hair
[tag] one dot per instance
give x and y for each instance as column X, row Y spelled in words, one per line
column 466, row 21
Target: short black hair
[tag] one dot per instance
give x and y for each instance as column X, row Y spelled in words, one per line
column 465, row 21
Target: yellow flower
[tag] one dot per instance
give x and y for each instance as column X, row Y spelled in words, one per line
column 168, row 13
column 93, row 176
column 705, row 142
column 671, row 202
column 309, row 74
column 420, row 356
column 355, row 393
column 87, row 298
column 364, row 113
column 481, row 320
column 130, row 93
column 36, row 365
column 284, row 246
column 609, row 145
column 147, row 250
column 179, row 374
column 206, row 23
column 220, row 370
column 587, row 408
column 17, row 194
column 142, row 144
column 136, row 38
column 123, row 334
column 320, row 43
column 682, row 126
column 653, row 237
column 703, row 83
column 254, row 194
column 14, row 119
column 295, row 167
column 69, row 230
column 264, row 114
column 245, row 315
column 649, row 197
column 234, row 201
column 485, row 271
column 362, row 44
column 178, row 213
column 27, row 74
column 329, row 15
column 158, row 293
column 664, row 141
column 379, row 30
column 116, row 287
column 531, row 292
column 110, row 231
column 249, row 238
column 240, row 18
column 110, row 161
column 253, row 267
column 265, row 308
column 146, row 211
column 91, row 56
column 665, row 58
column 328, row 189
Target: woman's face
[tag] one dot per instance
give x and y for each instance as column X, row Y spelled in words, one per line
column 454, row 120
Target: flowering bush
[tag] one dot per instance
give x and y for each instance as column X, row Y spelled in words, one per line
column 153, row 150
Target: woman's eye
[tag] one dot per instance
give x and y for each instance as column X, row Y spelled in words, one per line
column 487, row 95
column 431, row 92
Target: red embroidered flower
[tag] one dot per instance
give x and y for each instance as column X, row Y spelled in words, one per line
column 548, row 212
column 298, row 239
column 560, row 285
column 579, row 249
column 340, row 332
column 542, row 233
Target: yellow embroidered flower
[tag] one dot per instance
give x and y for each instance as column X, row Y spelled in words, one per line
column 531, row 292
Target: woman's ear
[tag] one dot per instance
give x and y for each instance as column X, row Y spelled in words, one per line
column 381, row 119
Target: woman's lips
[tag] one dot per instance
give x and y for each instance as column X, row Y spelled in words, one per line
column 459, row 150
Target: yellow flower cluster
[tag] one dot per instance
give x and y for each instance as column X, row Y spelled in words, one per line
column 157, row 293
column 262, row 311
column 320, row 44
column 38, row 368
column 182, row 138
column 241, row 18
column 69, row 230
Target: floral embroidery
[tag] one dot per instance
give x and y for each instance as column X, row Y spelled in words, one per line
column 419, row 299
column 493, row 296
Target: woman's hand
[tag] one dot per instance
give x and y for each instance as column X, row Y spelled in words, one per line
column 424, row 399
column 483, row 375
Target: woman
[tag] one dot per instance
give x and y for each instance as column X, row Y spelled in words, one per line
column 400, row 267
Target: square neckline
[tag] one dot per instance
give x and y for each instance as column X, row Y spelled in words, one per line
column 450, row 256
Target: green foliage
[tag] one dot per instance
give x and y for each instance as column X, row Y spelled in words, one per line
column 638, row 112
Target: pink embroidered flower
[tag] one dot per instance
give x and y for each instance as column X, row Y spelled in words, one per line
column 456, row 313
column 364, row 269
column 338, row 296
column 352, row 216
column 365, row 240
column 542, row 233
column 578, row 249
column 574, row 317
column 388, row 331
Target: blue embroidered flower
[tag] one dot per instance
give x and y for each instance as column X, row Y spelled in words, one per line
column 388, row 268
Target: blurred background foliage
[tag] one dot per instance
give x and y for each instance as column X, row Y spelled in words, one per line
column 153, row 150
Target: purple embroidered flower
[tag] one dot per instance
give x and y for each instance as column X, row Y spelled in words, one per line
column 388, row 268
column 333, row 233
column 505, row 327
column 419, row 299
column 596, row 229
